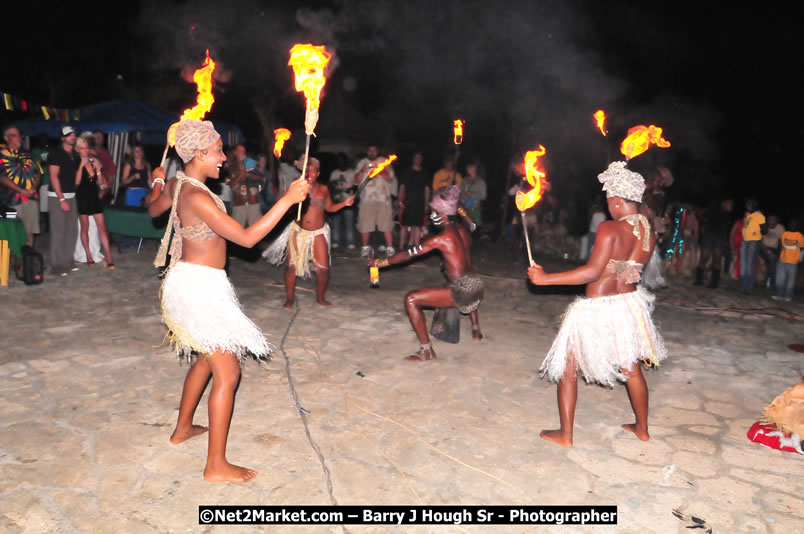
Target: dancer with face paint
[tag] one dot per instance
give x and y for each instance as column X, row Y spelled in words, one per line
column 465, row 290
column 199, row 304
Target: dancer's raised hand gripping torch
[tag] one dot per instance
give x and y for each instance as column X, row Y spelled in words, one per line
column 309, row 66
column 525, row 201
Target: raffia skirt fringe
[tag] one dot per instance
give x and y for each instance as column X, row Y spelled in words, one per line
column 203, row 315
column 301, row 257
column 605, row 335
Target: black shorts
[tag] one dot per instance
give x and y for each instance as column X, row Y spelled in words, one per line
column 715, row 241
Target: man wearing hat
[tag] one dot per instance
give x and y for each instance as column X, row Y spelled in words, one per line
column 63, row 164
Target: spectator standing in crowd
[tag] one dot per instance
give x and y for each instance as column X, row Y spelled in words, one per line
column 245, row 197
column 90, row 185
column 63, row 164
column 19, row 181
column 447, row 175
column 754, row 227
column 473, row 190
column 342, row 221
column 597, row 215
column 261, row 177
column 39, row 155
column 108, row 168
column 769, row 250
column 414, row 202
column 136, row 176
column 792, row 242
column 376, row 212
column 717, row 224
column 287, row 171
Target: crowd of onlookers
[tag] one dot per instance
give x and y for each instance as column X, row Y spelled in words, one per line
column 64, row 186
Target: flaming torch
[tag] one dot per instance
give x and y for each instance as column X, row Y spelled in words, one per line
column 374, row 172
column 280, row 136
column 600, row 117
column 309, row 63
column 525, row 201
column 203, row 80
column 639, row 140
column 458, row 130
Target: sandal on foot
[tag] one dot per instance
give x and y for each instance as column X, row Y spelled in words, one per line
column 422, row 355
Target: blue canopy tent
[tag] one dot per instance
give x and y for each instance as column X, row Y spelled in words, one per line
column 118, row 119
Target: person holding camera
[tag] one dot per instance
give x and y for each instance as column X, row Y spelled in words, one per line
column 90, row 187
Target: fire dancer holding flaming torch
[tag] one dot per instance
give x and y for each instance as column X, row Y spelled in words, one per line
column 306, row 244
column 465, row 289
column 609, row 333
column 199, row 304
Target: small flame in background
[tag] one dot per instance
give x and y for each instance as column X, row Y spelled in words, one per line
column 381, row 167
column 600, row 117
column 534, row 176
column 640, row 138
column 458, row 130
column 309, row 64
column 280, row 136
column 203, row 81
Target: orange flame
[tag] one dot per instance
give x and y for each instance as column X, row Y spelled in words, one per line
column 203, row 81
column 600, row 117
column 381, row 167
column 309, row 63
column 527, row 200
column 458, row 130
column 280, row 136
column 640, row 138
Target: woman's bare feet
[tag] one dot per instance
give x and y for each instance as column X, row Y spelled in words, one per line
column 226, row 472
column 477, row 335
column 324, row 302
column 641, row 433
column 422, row 355
column 557, row 436
column 288, row 304
column 184, row 434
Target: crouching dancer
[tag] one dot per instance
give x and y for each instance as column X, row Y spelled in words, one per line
column 199, row 305
column 306, row 243
column 465, row 290
column 608, row 333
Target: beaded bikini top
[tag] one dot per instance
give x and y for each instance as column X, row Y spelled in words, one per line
column 629, row 271
column 197, row 232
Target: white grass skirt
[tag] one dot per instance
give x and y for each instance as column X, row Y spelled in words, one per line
column 605, row 335
column 201, row 310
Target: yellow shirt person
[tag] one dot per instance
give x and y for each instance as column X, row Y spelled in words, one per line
column 442, row 178
column 751, row 226
column 792, row 243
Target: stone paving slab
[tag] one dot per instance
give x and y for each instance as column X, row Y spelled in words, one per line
column 89, row 400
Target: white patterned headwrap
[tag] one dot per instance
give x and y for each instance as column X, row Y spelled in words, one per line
column 618, row 181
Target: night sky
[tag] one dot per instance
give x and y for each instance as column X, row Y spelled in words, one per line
column 723, row 83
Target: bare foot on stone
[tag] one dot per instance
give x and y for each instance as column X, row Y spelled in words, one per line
column 324, row 302
column 183, row 435
column 641, row 433
column 227, row 472
column 557, row 436
column 477, row 335
column 288, row 304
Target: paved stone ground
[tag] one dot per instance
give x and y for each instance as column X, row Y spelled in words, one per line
column 88, row 403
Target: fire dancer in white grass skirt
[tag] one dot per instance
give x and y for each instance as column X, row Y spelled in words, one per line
column 606, row 335
column 199, row 305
